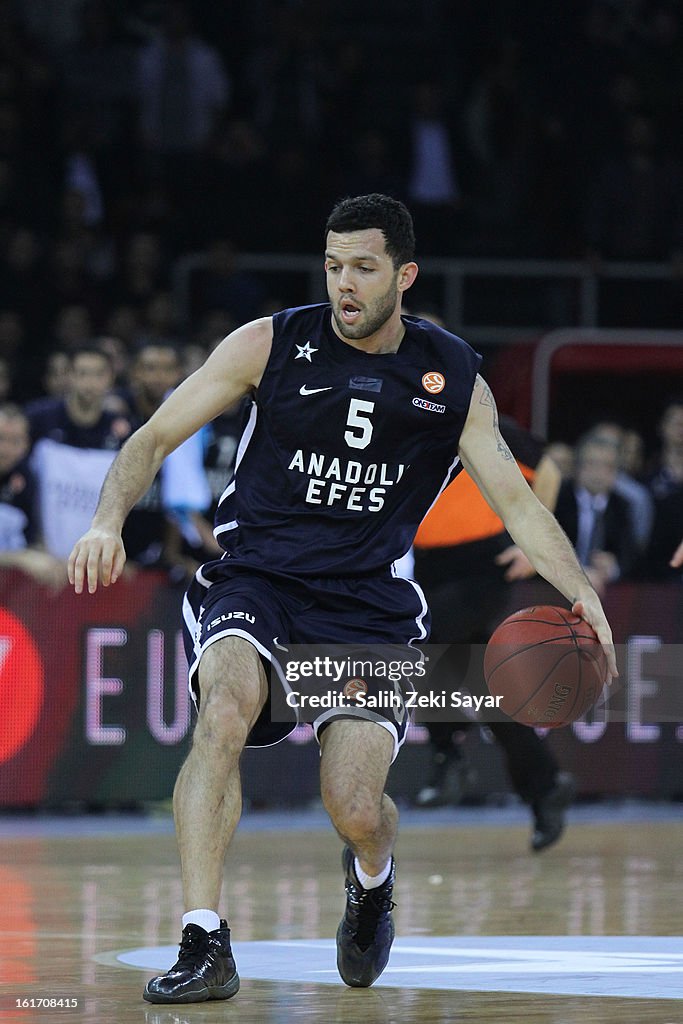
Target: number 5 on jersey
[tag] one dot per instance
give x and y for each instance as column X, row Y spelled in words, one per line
column 361, row 434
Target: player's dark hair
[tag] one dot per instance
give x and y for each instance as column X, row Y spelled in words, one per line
column 390, row 216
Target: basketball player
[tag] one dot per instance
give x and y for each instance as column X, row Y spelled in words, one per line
column 359, row 416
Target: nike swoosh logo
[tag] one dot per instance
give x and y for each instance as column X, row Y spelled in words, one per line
column 303, row 390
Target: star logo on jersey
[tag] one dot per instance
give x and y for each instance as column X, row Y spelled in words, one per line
column 305, row 352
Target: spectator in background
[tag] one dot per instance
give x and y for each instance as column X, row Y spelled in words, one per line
column 665, row 482
column 183, row 90
column 55, row 378
column 98, row 93
column 658, row 564
column 118, row 355
column 220, row 285
column 19, row 529
column 80, row 419
column 74, row 440
column 173, row 509
column 159, row 322
column 124, row 322
column 73, row 327
column 155, row 369
column 666, row 476
column 635, row 206
column 637, row 495
column 595, row 518
column 497, row 125
column 633, row 453
column 142, row 272
column 563, row 456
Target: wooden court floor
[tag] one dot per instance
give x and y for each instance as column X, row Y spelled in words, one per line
column 73, row 903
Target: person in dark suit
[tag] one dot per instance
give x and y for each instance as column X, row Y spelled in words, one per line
column 665, row 483
column 595, row 518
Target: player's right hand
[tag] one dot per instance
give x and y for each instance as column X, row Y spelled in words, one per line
column 98, row 557
column 590, row 609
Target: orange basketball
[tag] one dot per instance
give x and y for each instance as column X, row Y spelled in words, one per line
column 546, row 664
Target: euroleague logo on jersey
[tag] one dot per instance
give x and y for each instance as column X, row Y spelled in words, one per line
column 434, row 382
column 354, row 687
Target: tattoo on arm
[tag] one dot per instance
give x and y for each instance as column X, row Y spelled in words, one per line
column 486, row 398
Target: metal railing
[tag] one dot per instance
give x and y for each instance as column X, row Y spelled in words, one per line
column 566, row 293
column 654, row 342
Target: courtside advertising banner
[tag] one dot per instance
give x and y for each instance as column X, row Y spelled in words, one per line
column 95, row 708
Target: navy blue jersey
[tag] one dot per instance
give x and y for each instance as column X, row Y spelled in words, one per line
column 344, row 451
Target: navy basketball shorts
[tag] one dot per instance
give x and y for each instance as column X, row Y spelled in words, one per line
column 273, row 612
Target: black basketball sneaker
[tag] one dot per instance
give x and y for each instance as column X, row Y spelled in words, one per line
column 366, row 930
column 205, row 969
column 549, row 811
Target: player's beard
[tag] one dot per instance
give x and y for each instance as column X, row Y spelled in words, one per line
column 373, row 316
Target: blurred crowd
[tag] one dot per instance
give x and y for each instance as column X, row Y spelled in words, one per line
column 135, row 132
column 621, row 506
column 56, row 450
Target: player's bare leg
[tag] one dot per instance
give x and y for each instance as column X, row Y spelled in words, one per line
column 207, row 803
column 207, row 800
column 355, row 760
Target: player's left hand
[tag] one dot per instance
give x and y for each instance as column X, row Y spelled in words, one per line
column 590, row 609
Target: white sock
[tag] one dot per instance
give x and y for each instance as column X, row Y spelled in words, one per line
column 207, row 919
column 371, row 881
